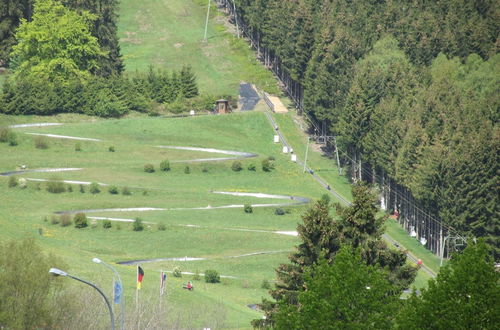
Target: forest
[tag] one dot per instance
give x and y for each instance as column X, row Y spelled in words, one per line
column 409, row 88
column 65, row 58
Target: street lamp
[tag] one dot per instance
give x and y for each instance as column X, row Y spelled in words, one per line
column 307, row 150
column 122, row 298
column 58, row 272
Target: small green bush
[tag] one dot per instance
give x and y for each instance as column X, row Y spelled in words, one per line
column 113, row 190
column 78, row 146
column 80, row 220
column 177, row 272
column 41, row 142
column 12, row 139
column 204, row 168
column 70, row 188
column 4, row 134
column 94, row 188
column 265, row 285
column 111, row 149
column 251, row 167
column 82, row 188
column 267, row 165
column 118, row 227
column 55, row 186
column 326, row 198
column 165, row 166
column 126, row 191
column 65, row 220
column 236, row 166
column 279, row 211
column 23, row 183
column 271, row 158
column 54, row 219
column 38, row 186
column 212, row 276
column 149, row 168
column 248, row 208
column 12, row 181
column 137, row 225
column 187, row 170
column 106, row 224
column 162, row 227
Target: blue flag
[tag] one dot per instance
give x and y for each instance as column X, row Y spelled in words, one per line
column 117, row 293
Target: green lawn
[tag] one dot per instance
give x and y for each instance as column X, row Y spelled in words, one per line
column 169, row 34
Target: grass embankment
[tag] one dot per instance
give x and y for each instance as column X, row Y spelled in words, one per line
column 169, row 34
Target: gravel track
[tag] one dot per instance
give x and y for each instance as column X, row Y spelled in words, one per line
column 65, row 137
column 41, row 170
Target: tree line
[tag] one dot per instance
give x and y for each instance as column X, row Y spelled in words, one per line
column 67, row 59
column 342, row 275
column 408, row 87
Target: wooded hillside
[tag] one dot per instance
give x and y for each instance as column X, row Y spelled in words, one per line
column 410, row 88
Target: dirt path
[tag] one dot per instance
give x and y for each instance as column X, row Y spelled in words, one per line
column 41, row 170
column 35, row 125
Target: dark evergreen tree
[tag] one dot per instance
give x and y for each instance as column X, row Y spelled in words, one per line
column 187, row 81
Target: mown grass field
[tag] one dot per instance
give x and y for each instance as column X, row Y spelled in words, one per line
column 225, row 238
column 169, row 34
column 218, row 238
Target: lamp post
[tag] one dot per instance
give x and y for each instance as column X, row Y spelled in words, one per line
column 58, row 272
column 122, row 297
column 206, row 22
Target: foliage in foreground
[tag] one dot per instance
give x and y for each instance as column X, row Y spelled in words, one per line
column 465, row 295
column 29, row 297
column 345, row 294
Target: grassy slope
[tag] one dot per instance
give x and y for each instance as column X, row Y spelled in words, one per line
column 133, row 139
column 170, row 34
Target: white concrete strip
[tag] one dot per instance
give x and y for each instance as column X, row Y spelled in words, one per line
column 289, row 233
column 211, row 150
column 86, row 183
column 247, row 194
column 119, row 220
column 65, row 137
column 35, row 125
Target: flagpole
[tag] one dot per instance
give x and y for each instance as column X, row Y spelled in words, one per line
column 137, row 289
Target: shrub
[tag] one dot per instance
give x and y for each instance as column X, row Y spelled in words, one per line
column 212, row 276
column 326, row 198
column 279, row 211
column 187, row 170
column 162, row 227
column 149, row 168
column 65, row 220
column 54, row 220
column 41, row 142
column 55, row 186
column 196, row 275
column 78, row 147
column 37, row 186
column 12, row 181
column 94, row 188
column 106, row 224
column 165, row 166
column 82, row 188
column 80, row 220
column 137, row 225
column 12, row 138
column 126, row 191
column 111, row 149
column 248, row 208
column 70, row 188
column 236, row 166
column 113, row 190
column 204, row 168
column 267, row 165
column 271, row 158
column 251, row 167
column 4, row 134
column 177, row 272
column 145, row 193
column 23, row 183
column 118, row 226
column 265, row 285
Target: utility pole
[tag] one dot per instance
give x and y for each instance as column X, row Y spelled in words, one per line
column 307, row 150
column 206, row 22
column 236, row 20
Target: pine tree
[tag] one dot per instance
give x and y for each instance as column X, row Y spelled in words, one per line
column 188, row 82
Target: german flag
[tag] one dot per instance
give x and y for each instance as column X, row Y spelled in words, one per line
column 140, row 275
